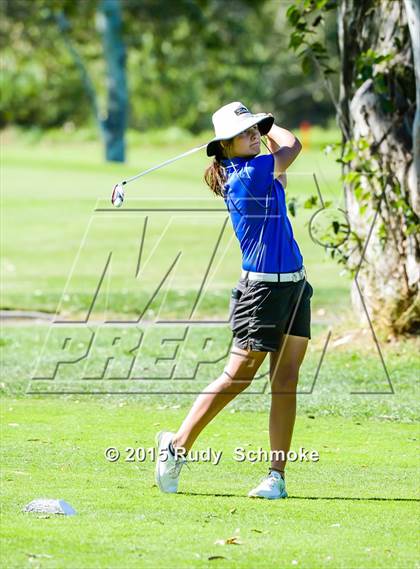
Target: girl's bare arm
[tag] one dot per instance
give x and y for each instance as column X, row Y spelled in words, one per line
column 284, row 146
column 283, row 179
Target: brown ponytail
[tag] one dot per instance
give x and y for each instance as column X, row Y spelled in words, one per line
column 215, row 174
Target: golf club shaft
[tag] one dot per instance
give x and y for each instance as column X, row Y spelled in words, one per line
column 153, row 168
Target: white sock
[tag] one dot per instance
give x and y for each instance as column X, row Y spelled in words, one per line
column 276, row 473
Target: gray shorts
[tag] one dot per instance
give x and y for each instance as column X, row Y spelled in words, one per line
column 261, row 312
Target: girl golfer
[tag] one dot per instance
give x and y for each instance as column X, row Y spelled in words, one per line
column 270, row 307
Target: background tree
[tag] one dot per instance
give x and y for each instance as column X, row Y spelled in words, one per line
column 184, row 59
column 377, row 113
column 50, row 54
column 114, row 124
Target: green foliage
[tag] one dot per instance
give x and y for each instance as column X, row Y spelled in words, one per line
column 364, row 169
column 366, row 63
column 40, row 84
column 311, row 202
column 371, row 65
column 292, row 205
column 314, row 53
column 184, row 60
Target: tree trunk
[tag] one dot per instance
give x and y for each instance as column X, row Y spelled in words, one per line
column 115, row 123
column 412, row 9
column 387, row 270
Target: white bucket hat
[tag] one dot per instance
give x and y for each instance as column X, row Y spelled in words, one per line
column 232, row 119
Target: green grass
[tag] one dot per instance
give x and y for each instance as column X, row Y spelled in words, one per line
column 345, row 369
column 55, row 246
column 354, row 508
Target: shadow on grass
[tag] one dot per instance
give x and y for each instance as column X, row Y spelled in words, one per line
column 373, row 499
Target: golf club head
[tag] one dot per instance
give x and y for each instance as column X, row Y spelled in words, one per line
column 117, row 197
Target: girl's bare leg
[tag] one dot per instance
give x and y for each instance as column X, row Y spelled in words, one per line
column 236, row 377
column 284, row 375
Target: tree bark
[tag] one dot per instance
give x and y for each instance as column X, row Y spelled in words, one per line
column 388, row 270
column 412, row 9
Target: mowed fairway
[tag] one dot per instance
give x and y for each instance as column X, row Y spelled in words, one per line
column 354, row 508
column 357, row 507
column 56, row 241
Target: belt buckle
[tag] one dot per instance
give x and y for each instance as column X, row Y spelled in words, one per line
column 295, row 277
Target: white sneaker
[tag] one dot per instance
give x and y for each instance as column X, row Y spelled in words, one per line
column 271, row 487
column 168, row 467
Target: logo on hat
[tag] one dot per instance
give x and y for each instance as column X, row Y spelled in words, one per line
column 241, row 110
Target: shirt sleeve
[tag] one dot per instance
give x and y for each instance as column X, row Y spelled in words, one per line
column 258, row 174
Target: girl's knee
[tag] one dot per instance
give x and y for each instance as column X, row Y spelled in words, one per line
column 238, row 381
column 284, row 384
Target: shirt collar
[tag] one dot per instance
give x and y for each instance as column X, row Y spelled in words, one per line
column 236, row 161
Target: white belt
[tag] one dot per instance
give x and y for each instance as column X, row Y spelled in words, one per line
column 274, row 277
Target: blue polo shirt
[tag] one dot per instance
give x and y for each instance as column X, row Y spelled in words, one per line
column 257, row 206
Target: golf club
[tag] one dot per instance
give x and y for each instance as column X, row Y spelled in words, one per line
column 117, row 197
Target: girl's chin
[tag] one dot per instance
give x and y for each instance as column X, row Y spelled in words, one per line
column 250, row 155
